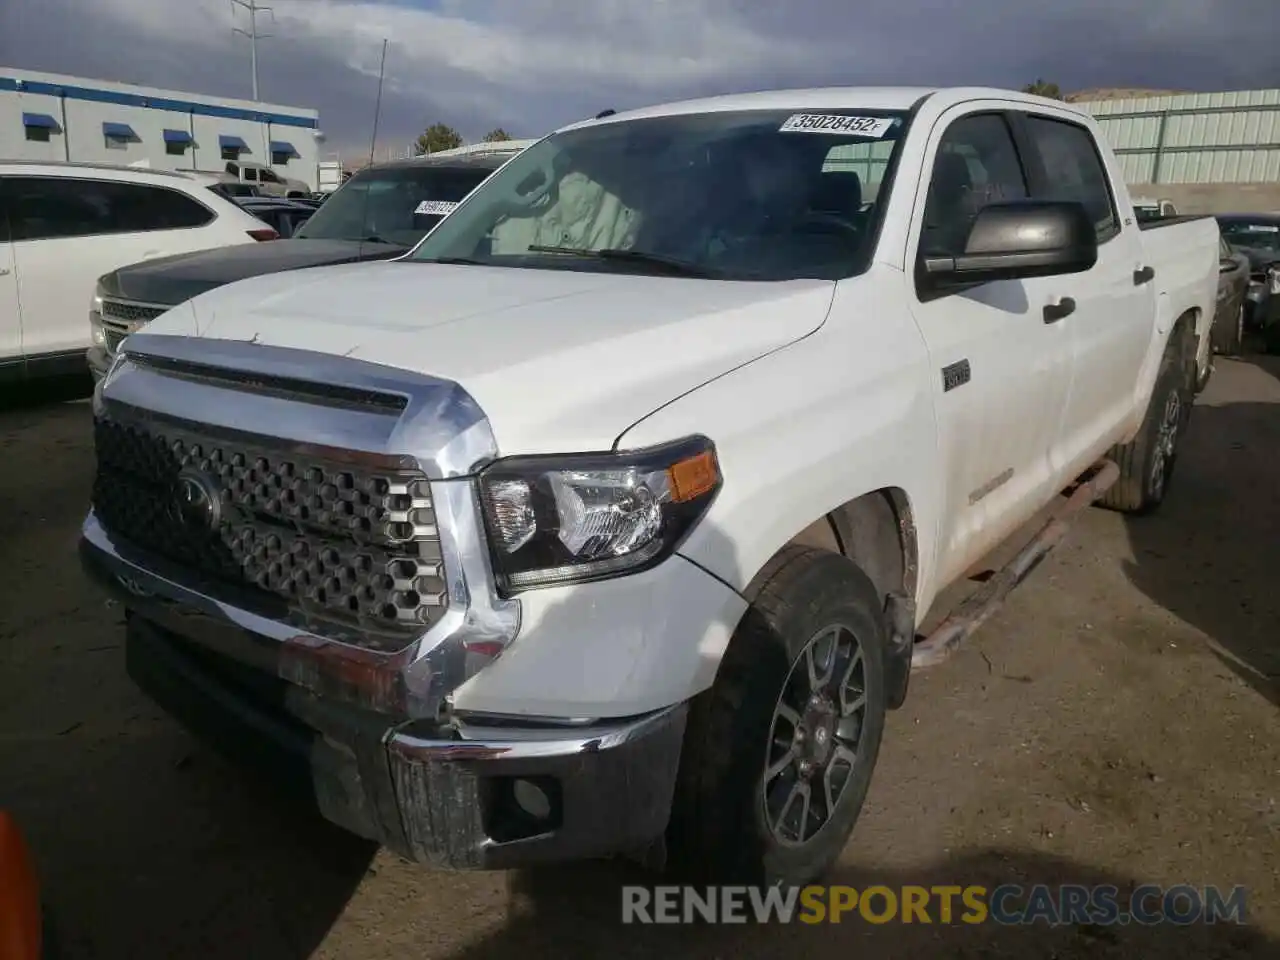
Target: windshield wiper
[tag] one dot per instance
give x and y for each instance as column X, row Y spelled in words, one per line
column 674, row 265
column 465, row 261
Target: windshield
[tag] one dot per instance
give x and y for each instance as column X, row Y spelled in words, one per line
column 397, row 205
column 1254, row 234
column 750, row 195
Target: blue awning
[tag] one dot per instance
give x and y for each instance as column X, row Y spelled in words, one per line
column 118, row 131
column 177, row 136
column 39, row 120
column 284, row 146
column 226, row 141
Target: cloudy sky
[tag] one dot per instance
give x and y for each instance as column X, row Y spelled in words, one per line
column 530, row 65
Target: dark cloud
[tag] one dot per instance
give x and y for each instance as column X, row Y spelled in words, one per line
column 529, row 65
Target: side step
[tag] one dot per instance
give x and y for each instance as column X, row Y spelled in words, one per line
column 976, row 609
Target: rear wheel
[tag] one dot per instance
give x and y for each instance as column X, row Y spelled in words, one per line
column 1227, row 338
column 779, row 752
column 1146, row 463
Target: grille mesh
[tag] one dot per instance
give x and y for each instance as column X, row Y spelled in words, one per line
column 120, row 318
column 347, row 548
column 122, row 312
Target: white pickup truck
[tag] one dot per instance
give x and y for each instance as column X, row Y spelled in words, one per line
column 605, row 520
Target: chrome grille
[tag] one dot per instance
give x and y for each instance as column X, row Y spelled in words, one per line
column 122, row 317
column 351, row 550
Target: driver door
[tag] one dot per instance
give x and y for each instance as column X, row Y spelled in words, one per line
column 1001, row 373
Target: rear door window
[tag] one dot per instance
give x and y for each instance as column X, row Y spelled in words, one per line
column 45, row 208
column 1074, row 171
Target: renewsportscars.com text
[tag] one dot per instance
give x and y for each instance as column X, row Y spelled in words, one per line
column 1009, row 904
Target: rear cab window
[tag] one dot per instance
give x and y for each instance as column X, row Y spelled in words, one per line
column 1073, row 170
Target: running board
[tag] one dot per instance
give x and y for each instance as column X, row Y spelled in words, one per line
column 986, row 600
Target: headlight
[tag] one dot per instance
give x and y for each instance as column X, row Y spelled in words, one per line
column 96, row 332
column 580, row 517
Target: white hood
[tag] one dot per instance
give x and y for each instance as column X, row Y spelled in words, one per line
column 559, row 361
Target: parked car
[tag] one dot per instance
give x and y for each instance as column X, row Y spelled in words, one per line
column 1257, row 236
column 284, row 216
column 604, row 521
column 69, row 223
column 268, row 182
column 379, row 214
column 1227, row 335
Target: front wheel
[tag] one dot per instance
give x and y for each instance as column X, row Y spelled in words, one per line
column 779, row 752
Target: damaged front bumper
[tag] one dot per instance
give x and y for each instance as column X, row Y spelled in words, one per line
column 479, row 792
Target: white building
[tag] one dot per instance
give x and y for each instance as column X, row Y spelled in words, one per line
column 45, row 116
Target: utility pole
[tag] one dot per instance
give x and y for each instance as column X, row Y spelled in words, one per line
column 252, row 33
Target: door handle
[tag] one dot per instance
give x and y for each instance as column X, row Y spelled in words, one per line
column 1053, row 312
column 4, row 272
column 1143, row 275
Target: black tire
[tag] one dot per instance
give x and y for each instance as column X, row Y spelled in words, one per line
column 1226, row 339
column 1146, row 463
column 1271, row 338
column 720, row 831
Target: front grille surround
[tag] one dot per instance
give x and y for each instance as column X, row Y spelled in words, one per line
column 349, row 415
column 350, row 549
column 120, row 318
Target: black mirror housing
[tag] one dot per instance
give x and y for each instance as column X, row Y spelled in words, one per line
column 1020, row 240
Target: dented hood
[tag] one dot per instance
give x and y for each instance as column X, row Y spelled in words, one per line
column 559, row 360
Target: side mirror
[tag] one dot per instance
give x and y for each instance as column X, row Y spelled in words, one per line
column 1020, row 240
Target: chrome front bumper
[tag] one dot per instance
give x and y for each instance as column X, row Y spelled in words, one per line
column 99, row 362
column 475, row 793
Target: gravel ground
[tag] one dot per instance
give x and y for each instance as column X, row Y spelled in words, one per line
column 1115, row 723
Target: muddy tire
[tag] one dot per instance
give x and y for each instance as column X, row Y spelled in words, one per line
column 1226, row 339
column 778, row 754
column 1146, row 463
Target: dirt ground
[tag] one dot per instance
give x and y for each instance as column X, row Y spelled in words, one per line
column 1115, row 723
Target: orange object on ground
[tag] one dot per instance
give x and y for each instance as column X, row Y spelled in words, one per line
column 19, row 896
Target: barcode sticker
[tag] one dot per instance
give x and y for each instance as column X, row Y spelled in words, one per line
column 836, row 125
column 434, row 207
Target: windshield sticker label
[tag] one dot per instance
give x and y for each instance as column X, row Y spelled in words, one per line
column 837, row 125
column 436, row 208
column 1262, row 228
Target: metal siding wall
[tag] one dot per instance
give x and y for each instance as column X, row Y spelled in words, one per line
column 867, row 160
column 1206, row 137
column 207, row 154
column 14, row 144
column 306, row 165
column 87, row 104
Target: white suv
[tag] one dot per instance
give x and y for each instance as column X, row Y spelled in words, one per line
column 63, row 225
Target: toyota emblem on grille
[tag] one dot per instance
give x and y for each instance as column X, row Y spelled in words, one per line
column 198, row 502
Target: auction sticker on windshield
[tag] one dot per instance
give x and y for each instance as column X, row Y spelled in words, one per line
column 837, row 125
column 435, row 207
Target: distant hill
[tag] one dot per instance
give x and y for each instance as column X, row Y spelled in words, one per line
column 1119, row 93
